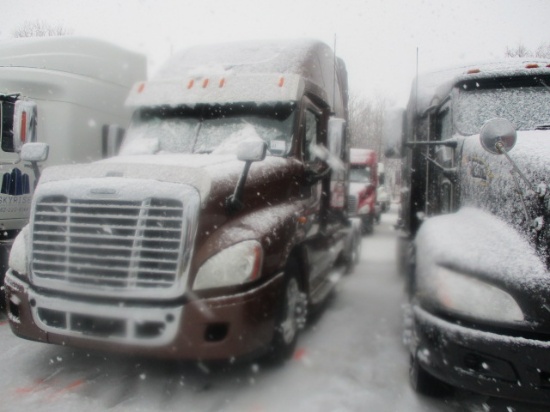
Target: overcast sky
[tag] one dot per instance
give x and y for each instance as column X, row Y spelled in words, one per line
column 377, row 38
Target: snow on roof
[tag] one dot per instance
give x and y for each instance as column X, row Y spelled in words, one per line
column 280, row 56
column 311, row 60
column 430, row 88
column 76, row 55
column 228, row 88
column 362, row 156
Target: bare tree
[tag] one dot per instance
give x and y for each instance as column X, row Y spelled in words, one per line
column 366, row 121
column 40, row 28
column 542, row 51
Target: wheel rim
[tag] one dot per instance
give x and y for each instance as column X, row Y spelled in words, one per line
column 294, row 312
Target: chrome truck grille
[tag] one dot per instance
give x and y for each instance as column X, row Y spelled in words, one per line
column 352, row 205
column 106, row 246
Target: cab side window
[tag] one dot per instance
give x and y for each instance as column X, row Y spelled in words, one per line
column 445, row 157
column 311, row 128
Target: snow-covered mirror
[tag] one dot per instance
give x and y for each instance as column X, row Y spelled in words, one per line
column 498, row 135
column 35, row 152
column 252, row 150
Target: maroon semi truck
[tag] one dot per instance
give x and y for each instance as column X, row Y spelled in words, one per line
column 214, row 230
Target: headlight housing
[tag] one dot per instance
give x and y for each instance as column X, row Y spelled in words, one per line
column 19, row 258
column 238, row 264
column 474, row 298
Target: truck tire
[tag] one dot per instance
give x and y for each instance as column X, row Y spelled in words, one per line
column 291, row 317
column 353, row 255
column 367, row 224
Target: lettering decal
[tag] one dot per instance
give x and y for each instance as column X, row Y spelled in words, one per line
column 15, row 183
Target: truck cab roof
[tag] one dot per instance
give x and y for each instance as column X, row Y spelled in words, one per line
column 430, row 89
column 247, row 71
column 74, row 55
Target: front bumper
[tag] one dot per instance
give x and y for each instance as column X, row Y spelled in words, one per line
column 483, row 362
column 208, row 329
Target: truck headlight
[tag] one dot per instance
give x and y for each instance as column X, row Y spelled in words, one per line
column 18, row 260
column 235, row 265
column 469, row 296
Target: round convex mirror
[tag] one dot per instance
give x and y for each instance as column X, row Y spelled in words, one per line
column 498, row 135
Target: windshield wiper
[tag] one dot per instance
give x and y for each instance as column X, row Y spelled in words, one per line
column 542, row 126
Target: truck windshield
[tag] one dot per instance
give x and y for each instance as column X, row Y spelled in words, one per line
column 359, row 174
column 522, row 100
column 216, row 129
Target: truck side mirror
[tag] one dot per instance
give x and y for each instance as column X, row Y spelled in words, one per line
column 336, row 130
column 34, row 153
column 252, row 150
column 498, row 135
column 249, row 152
column 112, row 139
column 24, row 123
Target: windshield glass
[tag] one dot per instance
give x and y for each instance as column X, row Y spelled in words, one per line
column 359, row 174
column 216, row 129
column 523, row 101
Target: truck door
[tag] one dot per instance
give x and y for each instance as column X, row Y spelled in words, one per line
column 445, row 156
column 441, row 189
column 318, row 240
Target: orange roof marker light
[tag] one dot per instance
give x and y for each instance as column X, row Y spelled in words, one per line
column 205, row 83
column 473, row 71
column 190, row 84
column 222, row 82
column 141, row 87
column 532, row 66
column 281, row 82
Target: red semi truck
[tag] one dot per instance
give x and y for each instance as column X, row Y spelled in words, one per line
column 363, row 185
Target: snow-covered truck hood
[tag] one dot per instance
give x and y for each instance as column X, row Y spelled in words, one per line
column 355, row 188
column 474, row 241
column 200, row 171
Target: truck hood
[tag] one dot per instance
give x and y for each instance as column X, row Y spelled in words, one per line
column 201, row 171
column 355, row 188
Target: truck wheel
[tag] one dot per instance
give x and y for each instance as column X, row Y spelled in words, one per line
column 367, row 225
column 290, row 319
column 354, row 255
column 424, row 383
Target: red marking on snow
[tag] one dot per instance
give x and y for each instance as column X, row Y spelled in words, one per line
column 30, row 389
column 299, row 354
column 3, row 322
column 70, row 387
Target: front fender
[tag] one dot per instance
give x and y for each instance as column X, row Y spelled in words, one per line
column 477, row 243
column 275, row 227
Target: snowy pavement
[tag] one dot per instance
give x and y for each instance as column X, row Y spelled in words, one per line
column 349, row 358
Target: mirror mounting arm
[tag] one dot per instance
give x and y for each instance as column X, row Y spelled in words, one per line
column 450, row 173
column 234, row 202
column 502, row 150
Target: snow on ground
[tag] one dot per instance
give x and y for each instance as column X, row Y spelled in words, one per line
column 349, row 358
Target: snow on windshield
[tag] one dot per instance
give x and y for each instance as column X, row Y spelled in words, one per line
column 525, row 107
column 209, row 129
column 359, row 174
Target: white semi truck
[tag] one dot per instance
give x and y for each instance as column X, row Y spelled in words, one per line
column 67, row 92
